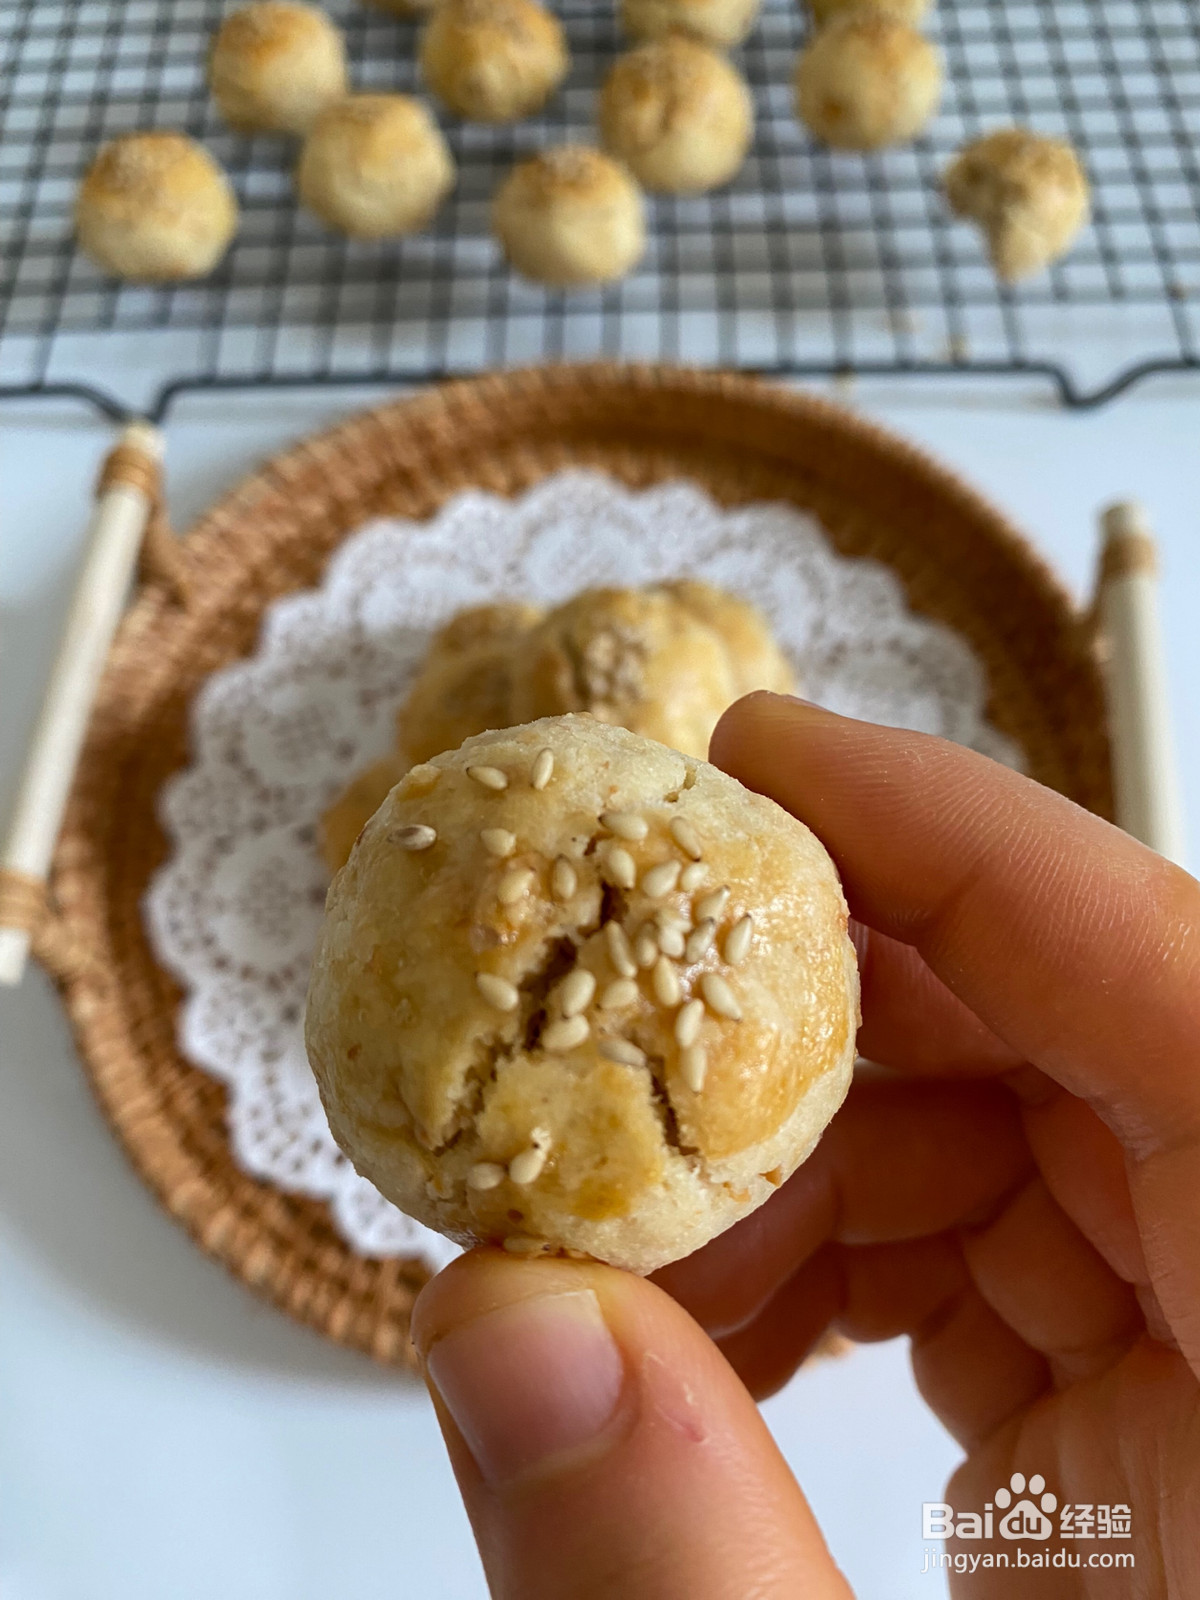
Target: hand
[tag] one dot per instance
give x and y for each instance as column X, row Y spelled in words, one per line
column 1016, row 1186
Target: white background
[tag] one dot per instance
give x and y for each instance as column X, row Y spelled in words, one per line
column 162, row 1434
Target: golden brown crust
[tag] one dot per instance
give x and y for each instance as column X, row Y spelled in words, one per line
column 1027, row 192
column 465, row 684
column 570, row 217
column 493, row 60
column 154, row 207
column 658, row 661
column 867, row 80
column 689, row 650
column 427, row 1075
column 275, row 65
column 909, row 11
column 677, row 114
column 406, row 9
column 375, row 166
column 345, row 819
column 723, row 23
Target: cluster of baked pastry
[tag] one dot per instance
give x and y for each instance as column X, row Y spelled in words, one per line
column 663, row 661
column 674, row 116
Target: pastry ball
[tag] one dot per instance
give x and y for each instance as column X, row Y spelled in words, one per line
column 493, row 60
column 342, row 823
column 575, row 991
column 1028, row 194
column 375, row 166
column 677, row 114
column 664, row 662
column 867, row 80
column 155, row 207
column 275, row 67
column 465, row 684
column 570, row 217
column 910, row 11
column 404, row 8
column 464, row 687
column 720, row 22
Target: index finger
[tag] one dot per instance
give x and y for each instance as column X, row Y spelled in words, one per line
column 1076, row 945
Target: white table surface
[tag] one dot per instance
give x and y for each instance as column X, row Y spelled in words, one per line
column 164, row 1435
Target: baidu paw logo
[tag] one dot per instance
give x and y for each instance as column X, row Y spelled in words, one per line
column 1026, row 1520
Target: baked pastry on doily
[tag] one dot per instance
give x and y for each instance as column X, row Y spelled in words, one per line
column 664, row 661
column 465, row 683
column 579, row 992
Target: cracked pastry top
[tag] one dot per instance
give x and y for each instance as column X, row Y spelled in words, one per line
column 493, row 60
column 577, row 991
column 1028, row 193
column 867, row 80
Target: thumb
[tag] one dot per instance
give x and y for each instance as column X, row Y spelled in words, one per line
column 603, row 1445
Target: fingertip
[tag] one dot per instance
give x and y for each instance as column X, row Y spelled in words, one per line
column 751, row 721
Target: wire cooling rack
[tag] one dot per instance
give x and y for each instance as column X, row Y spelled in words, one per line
column 811, row 263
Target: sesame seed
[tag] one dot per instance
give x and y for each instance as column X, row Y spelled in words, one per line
column 498, row 841
column 514, row 886
column 618, row 864
column 485, row 1175
column 421, row 779
column 520, row 1244
column 624, row 992
column 666, row 982
column 712, row 904
column 686, row 837
column 489, row 777
column 737, row 941
column 527, row 1167
column 415, row 837
column 693, row 876
column 620, row 1050
column 575, row 992
column 660, row 880
column 565, row 1035
column 700, row 938
column 619, row 953
column 498, row 991
column 625, row 824
column 671, row 941
column 542, row 770
column 673, row 917
column 563, row 881
column 646, row 948
column 693, row 1064
column 719, row 997
column 687, row 1023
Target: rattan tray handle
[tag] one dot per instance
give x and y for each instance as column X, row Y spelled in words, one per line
column 1146, row 793
column 127, row 522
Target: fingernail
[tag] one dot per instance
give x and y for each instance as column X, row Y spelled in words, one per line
column 530, row 1381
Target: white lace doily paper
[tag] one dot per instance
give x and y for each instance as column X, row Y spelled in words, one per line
column 234, row 913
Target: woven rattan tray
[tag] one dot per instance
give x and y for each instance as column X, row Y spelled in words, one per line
column 740, row 440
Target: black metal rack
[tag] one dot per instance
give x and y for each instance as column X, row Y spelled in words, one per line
column 811, row 263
